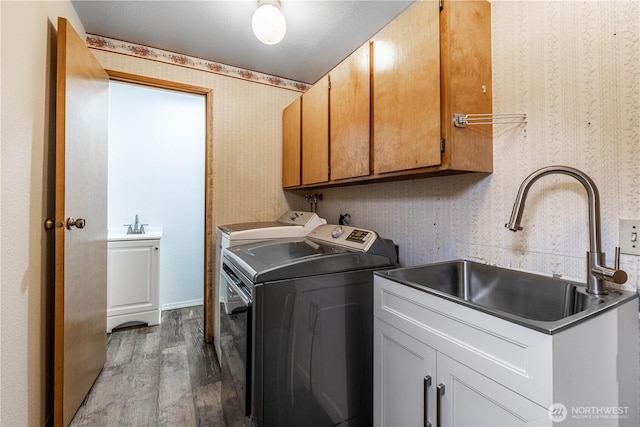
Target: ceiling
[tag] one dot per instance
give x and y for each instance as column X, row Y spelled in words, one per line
column 320, row 33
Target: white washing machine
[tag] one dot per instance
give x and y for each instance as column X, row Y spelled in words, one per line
column 291, row 224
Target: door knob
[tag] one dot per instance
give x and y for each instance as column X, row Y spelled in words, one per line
column 73, row 222
column 50, row 224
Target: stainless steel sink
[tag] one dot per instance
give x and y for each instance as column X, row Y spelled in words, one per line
column 539, row 302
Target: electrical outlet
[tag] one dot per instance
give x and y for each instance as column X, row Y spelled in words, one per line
column 630, row 236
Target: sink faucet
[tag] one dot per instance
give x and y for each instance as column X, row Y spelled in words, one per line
column 597, row 273
column 137, row 227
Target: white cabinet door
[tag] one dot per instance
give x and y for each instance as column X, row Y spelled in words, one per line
column 133, row 282
column 471, row 399
column 404, row 376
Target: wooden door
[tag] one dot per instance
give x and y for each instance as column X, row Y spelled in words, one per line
column 406, row 90
column 350, row 99
column 465, row 48
column 81, row 251
column 291, row 122
column 315, row 133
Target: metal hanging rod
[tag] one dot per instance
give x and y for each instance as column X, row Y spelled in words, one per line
column 464, row 120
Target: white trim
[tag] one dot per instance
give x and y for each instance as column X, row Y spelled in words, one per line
column 182, row 304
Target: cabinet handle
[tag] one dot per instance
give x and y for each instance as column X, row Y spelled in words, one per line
column 440, row 393
column 427, row 384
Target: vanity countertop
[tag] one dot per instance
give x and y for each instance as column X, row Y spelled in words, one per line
column 120, row 234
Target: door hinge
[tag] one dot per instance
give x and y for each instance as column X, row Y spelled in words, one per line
column 442, row 144
column 441, row 4
column 329, row 170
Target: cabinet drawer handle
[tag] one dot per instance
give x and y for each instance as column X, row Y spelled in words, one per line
column 440, row 393
column 427, row 384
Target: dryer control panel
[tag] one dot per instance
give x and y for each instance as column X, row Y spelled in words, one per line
column 359, row 239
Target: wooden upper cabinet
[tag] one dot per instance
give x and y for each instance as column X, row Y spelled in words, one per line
column 386, row 112
column 465, row 29
column 406, row 90
column 350, row 99
column 291, row 134
column 315, row 133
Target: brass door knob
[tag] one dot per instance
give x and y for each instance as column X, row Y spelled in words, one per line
column 50, row 224
column 73, row 222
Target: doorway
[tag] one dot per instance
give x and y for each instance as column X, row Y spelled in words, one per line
column 156, row 180
column 204, row 223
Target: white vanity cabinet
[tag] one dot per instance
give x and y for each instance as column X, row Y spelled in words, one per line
column 133, row 293
column 493, row 372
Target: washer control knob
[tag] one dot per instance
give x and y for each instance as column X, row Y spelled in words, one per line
column 337, row 232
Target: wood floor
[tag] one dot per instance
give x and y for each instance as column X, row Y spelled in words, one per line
column 161, row 376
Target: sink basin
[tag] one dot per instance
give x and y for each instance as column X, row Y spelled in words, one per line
column 547, row 304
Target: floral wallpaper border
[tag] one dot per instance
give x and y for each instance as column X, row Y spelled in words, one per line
column 141, row 51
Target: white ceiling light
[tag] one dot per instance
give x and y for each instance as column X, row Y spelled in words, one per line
column 268, row 22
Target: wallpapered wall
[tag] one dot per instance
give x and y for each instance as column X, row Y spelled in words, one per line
column 573, row 68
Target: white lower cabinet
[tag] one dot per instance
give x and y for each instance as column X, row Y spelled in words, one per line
column 414, row 384
column 468, row 398
column 404, row 378
column 439, row 363
column 133, row 282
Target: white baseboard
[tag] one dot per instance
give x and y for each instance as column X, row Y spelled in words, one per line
column 182, row 304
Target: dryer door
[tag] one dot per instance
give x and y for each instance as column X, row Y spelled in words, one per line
column 317, row 350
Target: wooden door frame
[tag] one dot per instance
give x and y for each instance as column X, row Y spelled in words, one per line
column 210, row 310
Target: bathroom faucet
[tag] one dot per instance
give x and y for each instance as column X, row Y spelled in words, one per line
column 137, row 227
column 597, row 273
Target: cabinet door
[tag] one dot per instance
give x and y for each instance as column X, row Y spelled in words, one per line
column 132, row 277
column 402, row 369
column 471, row 399
column 465, row 47
column 406, row 90
column 291, row 122
column 315, row 133
column 349, row 111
